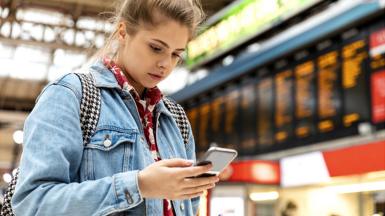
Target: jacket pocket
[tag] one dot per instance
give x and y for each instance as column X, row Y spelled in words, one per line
column 109, row 152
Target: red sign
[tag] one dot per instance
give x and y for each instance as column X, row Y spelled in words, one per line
column 356, row 160
column 252, row 171
column 378, row 96
column 377, row 42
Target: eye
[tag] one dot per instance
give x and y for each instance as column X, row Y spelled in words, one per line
column 155, row 49
column 176, row 55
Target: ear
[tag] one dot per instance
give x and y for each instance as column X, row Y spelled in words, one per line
column 122, row 32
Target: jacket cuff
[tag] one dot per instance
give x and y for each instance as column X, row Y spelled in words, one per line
column 195, row 205
column 127, row 189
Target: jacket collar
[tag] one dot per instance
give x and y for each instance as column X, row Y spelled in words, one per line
column 161, row 108
column 104, row 78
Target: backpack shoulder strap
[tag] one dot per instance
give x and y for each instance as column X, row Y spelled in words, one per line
column 89, row 117
column 180, row 117
column 89, row 106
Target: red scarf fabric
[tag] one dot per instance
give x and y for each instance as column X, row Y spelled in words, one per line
column 146, row 109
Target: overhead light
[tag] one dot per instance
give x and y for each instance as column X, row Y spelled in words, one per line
column 355, row 188
column 18, row 136
column 7, row 177
column 253, row 47
column 264, row 196
column 228, row 60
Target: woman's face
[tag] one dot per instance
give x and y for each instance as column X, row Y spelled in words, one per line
column 150, row 55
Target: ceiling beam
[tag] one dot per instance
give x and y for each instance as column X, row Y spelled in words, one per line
column 12, row 116
column 100, row 4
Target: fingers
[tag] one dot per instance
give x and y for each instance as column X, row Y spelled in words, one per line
column 191, row 188
column 197, row 182
column 195, row 170
column 195, row 190
column 176, row 162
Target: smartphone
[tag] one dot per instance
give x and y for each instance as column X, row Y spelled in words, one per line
column 218, row 157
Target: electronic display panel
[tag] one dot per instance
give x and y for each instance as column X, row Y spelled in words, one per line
column 232, row 120
column 354, row 54
column 248, row 110
column 204, row 129
column 218, row 119
column 192, row 113
column 284, row 105
column 265, row 127
column 329, row 95
column 305, row 97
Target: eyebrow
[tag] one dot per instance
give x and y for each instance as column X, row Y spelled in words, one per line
column 166, row 45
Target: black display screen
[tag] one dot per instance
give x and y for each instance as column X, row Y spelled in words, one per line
column 193, row 115
column 265, row 112
column 354, row 81
column 204, row 129
column 329, row 95
column 232, row 121
column 305, row 98
column 248, row 123
column 283, row 105
column 217, row 119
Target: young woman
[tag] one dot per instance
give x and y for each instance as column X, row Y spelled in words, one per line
column 136, row 162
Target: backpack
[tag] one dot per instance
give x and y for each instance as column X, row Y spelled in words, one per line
column 89, row 116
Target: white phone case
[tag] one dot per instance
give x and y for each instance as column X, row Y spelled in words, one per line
column 219, row 157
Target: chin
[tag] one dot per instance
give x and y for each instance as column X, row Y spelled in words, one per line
column 150, row 85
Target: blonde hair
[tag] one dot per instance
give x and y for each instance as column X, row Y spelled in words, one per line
column 137, row 12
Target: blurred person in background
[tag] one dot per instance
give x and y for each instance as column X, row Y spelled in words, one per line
column 290, row 209
column 136, row 162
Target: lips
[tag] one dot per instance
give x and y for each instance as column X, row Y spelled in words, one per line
column 155, row 76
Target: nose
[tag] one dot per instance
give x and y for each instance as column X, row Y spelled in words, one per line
column 165, row 63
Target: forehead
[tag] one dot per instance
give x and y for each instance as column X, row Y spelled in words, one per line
column 172, row 32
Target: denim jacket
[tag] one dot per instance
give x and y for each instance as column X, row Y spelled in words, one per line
column 61, row 176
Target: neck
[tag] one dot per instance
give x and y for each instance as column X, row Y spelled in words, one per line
column 137, row 86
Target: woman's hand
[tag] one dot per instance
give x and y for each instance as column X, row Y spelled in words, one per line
column 171, row 179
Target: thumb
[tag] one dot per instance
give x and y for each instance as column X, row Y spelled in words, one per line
column 176, row 162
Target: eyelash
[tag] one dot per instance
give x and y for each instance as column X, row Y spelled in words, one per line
column 158, row 50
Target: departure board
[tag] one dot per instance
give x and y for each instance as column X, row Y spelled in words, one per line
column 217, row 120
column 354, row 64
column 265, row 112
column 248, row 142
column 232, row 119
column 283, row 105
column 204, row 115
column 192, row 115
column 329, row 99
column 305, row 98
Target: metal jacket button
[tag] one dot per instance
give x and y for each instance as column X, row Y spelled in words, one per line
column 107, row 142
